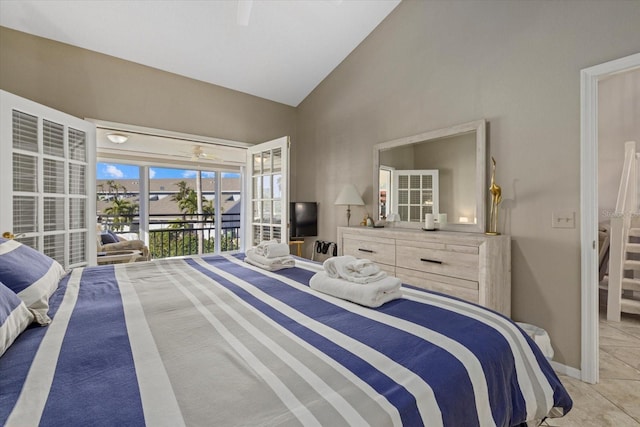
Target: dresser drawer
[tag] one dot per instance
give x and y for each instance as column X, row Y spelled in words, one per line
column 465, row 289
column 445, row 259
column 382, row 251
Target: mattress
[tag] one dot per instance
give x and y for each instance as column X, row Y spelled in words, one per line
column 214, row 341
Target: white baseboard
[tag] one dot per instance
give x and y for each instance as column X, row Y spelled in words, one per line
column 566, row 370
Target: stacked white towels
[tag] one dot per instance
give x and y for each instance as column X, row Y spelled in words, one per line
column 353, row 269
column 356, row 280
column 270, row 256
column 372, row 294
column 272, row 249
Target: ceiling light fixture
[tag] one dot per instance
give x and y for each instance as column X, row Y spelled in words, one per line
column 117, row 138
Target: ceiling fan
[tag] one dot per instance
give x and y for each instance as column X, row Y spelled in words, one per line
column 198, row 153
column 244, row 12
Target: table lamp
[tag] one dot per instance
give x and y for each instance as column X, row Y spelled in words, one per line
column 349, row 196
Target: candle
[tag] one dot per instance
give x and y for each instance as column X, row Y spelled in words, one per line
column 428, row 221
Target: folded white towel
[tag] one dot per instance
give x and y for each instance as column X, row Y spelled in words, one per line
column 268, row 267
column 372, row 295
column 362, row 268
column 272, row 263
column 263, row 244
column 335, row 266
column 353, row 269
column 275, row 250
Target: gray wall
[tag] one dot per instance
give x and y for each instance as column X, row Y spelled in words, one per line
column 517, row 64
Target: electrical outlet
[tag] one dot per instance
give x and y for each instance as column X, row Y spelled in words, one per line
column 563, row 219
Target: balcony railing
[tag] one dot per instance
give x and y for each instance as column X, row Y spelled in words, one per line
column 180, row 235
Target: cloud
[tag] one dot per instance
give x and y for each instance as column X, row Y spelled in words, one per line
column 230, row 175
column 208, row 174
column 189, row 174
column 113, row 172
column 152, row 173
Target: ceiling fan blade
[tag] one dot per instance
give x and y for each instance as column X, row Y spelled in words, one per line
column 244, row 12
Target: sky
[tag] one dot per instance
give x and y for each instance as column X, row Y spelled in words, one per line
column 119, row 171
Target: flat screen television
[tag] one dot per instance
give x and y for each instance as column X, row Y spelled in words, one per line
column 304, row 219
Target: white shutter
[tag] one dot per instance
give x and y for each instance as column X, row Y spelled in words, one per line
column 416, row 193
column 47, row 189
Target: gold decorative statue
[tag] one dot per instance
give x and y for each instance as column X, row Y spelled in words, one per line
column 496, row 198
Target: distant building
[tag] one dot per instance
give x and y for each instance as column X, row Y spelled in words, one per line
column 161, row 204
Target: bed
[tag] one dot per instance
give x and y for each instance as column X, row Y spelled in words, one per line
column 211, row 340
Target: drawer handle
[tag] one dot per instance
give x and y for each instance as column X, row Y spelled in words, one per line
column 369, row 251
column 431, row 260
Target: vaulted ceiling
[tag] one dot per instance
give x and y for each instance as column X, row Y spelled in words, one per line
column 278, row 50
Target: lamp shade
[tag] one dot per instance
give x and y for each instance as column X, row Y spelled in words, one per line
column 349, row 196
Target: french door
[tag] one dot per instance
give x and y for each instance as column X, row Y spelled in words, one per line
column 47, row 189
column 267, row 171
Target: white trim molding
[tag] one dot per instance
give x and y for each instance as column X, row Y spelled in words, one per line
column 561, row 369
column 589, row 78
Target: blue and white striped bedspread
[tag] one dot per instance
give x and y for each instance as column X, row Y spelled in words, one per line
column 213, row 341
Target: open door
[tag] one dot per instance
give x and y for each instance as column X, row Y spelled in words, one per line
column 267, row 213
column 47, row 159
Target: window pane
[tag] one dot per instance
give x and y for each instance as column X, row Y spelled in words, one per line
column 53, row 138
column 276, row 233
column 277, row 160
column 414, row 212
column 415, row 197
column 53, row 213
column 266, row 187
column 77, row 145
column 266, row 162
column 76, row 248
column 277, row 212
column 266, row 232
column 53, row 176
column 25, row 131
column 77, row 179
column 77, row 213
column 266, row 211
column 256, row 211
column 277, row 186
column 54, row 247
column 25, row 172
column 25, row 214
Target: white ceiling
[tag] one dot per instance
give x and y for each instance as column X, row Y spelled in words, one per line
column 285, row 51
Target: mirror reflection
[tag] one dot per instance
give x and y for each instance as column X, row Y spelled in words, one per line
column 440, row 173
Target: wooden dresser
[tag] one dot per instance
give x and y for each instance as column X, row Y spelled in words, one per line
column 471, row 266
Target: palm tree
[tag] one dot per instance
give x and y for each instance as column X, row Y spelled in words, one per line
column 122, row 211
column 182, row 194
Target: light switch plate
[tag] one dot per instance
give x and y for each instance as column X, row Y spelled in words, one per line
column 563, row 219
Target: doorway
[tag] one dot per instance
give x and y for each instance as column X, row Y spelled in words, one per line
column 589, row 80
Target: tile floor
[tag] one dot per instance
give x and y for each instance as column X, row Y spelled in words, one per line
column 615, row 401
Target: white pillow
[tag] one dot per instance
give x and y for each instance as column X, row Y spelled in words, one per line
column 14, row 317
column 32, row 275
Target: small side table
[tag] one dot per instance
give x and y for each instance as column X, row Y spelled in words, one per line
column 118, row 257
column 297, row 243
